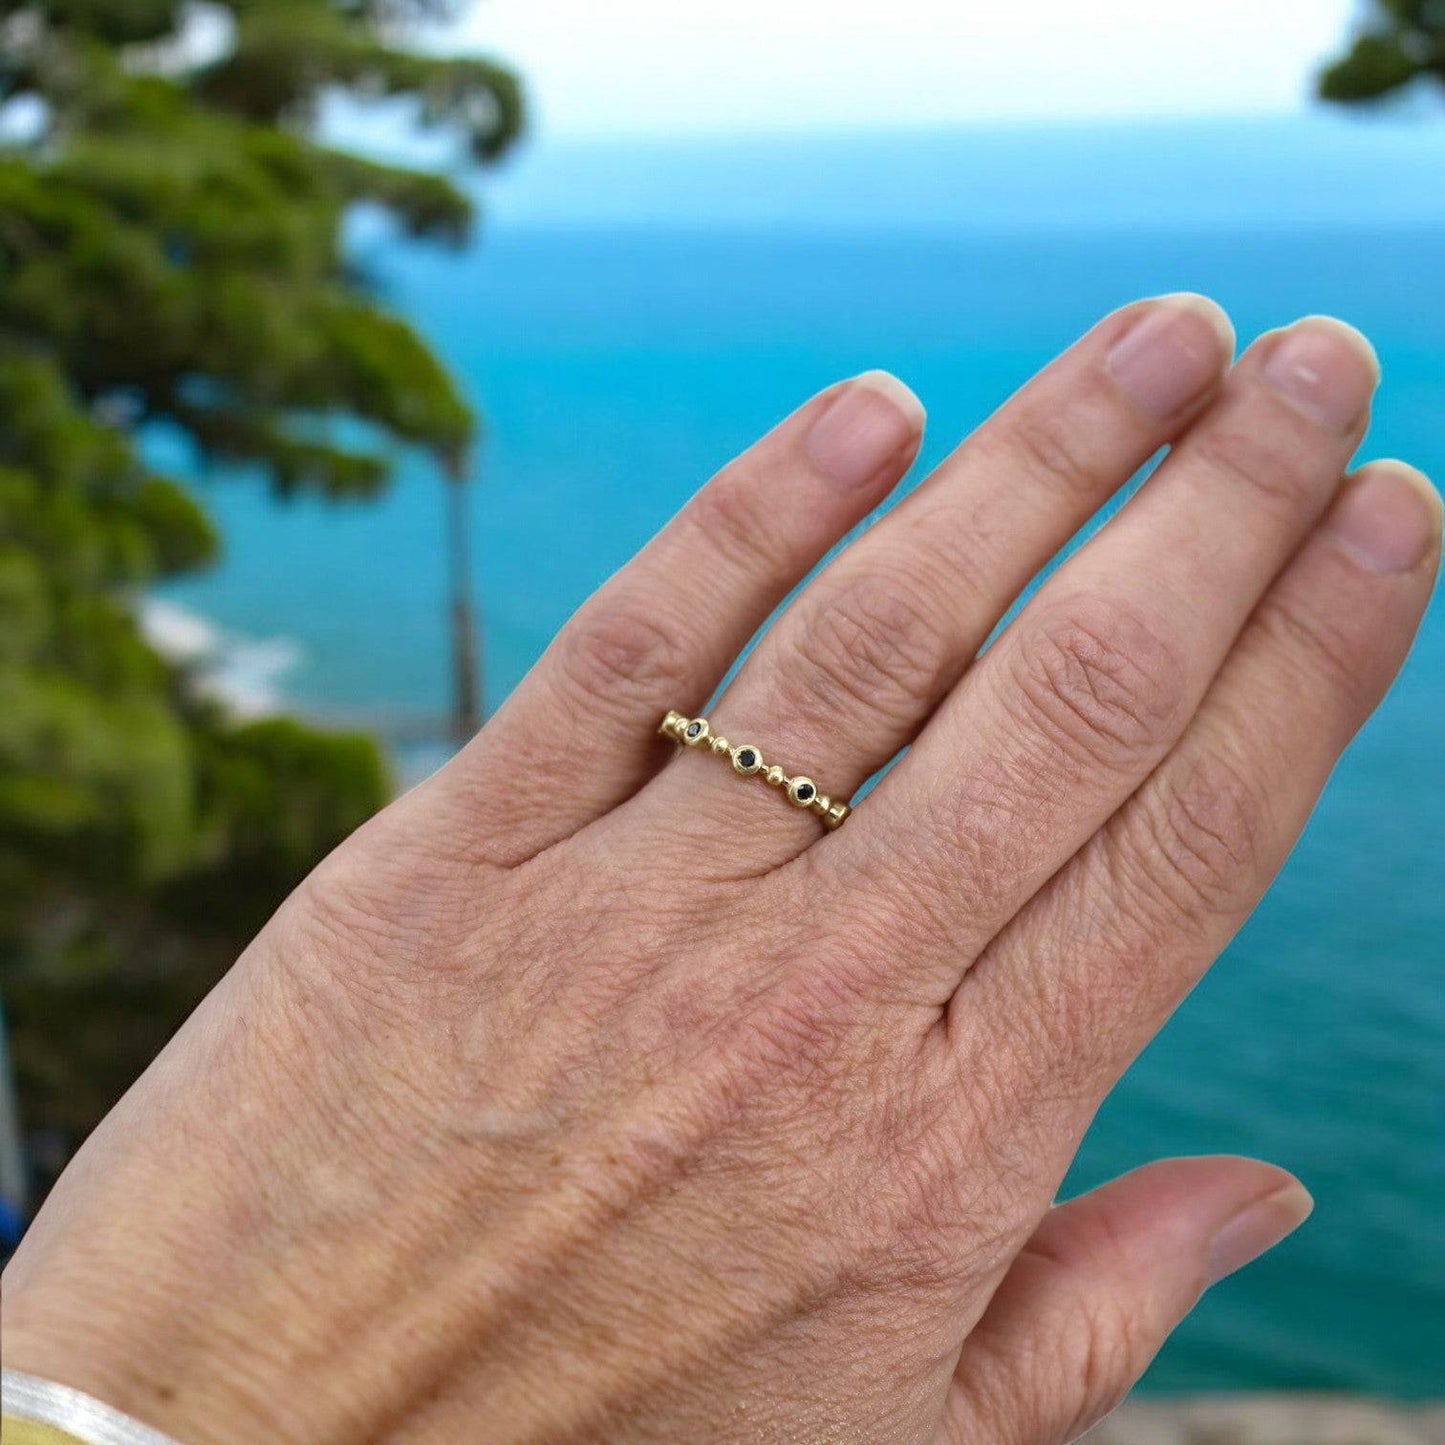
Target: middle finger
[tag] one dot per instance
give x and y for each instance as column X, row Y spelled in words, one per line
column 1096, row 679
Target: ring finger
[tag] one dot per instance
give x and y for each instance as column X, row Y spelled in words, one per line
column 856, row 664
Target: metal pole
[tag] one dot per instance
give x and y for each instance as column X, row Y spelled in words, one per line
column 14, row 1181
column 466, row 667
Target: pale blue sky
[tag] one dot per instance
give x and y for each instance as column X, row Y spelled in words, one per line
column 671, row 67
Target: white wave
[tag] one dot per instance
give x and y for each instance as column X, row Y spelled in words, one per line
column 245, row 674
column 177, row 634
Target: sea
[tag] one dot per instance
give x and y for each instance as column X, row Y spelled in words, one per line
column 633, row 313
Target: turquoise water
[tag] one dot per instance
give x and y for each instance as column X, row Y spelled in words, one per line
column 620, row 360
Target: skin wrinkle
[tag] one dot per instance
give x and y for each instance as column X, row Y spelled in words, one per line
column 798, row 1308
column 985, row 476
column 530, row 1248
column 629, row 1110
column 1076, row 722
column 726, row 588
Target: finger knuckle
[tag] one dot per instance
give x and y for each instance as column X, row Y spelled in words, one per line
column 1109, row 1352
column 878, row 646
column 733, row 517
column 1322, row 642
column 1204, row 825
column 622, row 648
column 1073, row 1369
column 1111, row 1343
column 1099, row 682
column 1051, row 448
column 1256, row 461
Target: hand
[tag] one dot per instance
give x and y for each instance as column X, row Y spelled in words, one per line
column 591, row 1092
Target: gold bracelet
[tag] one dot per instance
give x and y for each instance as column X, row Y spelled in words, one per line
column 747, row 760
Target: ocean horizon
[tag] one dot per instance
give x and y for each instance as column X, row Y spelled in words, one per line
column 633, row 315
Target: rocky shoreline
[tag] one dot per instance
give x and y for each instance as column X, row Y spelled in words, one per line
column 1272, row 1420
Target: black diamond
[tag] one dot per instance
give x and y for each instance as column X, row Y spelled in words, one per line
column 693, row 729
column 748, row 758
column 805, row 793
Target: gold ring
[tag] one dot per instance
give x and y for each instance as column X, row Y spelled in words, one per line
column 747, row 760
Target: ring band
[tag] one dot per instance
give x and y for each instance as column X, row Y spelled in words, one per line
column 747, row 761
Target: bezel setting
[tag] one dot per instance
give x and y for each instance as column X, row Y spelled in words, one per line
column 802, row 791
column 747, row 759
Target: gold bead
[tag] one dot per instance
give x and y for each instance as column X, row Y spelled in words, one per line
column 719, row 745
column 837, row 815
column 775, row 777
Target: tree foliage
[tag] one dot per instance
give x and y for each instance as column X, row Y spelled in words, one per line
column 1403, row 41
column 172, row 255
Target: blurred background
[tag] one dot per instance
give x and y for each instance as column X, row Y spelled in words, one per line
column 346, row 345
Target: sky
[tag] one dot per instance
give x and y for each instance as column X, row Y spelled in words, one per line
column 686, row 67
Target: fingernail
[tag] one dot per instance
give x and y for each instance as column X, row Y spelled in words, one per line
column 1326, row 369
column 869, row 423
column 1173, row 354
column 1258, row 1228
column 1388, row 518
